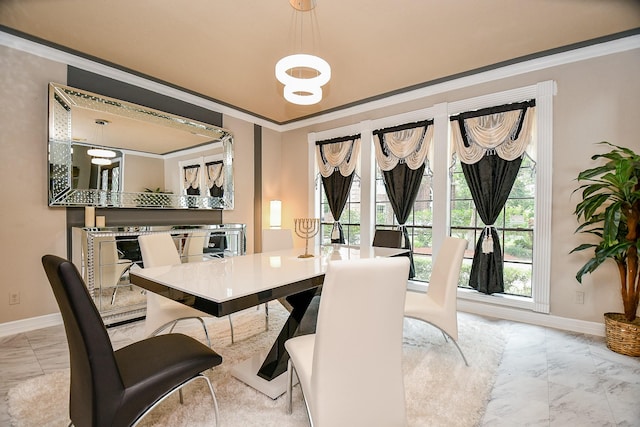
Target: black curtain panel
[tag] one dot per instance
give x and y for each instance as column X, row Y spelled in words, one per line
column 337, row 188
column 216, row 191
column 402, row 185
column 490, row 181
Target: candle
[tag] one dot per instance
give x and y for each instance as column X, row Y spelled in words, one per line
column 89, row 216
column 100, row 221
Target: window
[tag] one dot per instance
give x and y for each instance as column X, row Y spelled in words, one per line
column 515, row 226
column 419, row 224
column 350, row 218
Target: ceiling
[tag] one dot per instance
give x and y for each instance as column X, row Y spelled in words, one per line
column 226, row 50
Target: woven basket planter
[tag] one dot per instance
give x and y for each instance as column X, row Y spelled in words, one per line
column 622, row 336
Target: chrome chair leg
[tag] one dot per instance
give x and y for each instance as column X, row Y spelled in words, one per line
column 206, row 332
column 173, row 324
column 461, row 353
column 179, row 388
column 231, row 327
column 289, row 387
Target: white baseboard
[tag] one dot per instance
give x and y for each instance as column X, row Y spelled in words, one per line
column 522, row 314
column 531, row 317
column 33, row 323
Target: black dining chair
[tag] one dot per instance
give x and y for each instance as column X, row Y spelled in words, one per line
column 392, row 239
column 118, row 388
column 387, row 239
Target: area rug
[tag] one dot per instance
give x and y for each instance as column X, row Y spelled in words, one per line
column 440, row 389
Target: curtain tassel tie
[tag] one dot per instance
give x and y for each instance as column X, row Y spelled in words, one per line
column 335, row 232
column 487, row 242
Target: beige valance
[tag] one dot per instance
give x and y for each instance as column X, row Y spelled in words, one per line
column 496, row 134
column 408, row 145
column 191, row 177
column 342, row 156
column 214, row 174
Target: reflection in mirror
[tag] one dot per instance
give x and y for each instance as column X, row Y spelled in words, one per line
column 145, row 158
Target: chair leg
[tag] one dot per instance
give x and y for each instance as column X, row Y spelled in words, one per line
column 231, row 327
column 289, row 387
column 179, row 388
column 206, row 333
column 173, row 324
column 266, row 316
column 215, row 401
column 455, row 342
column 461, row 353
column 446, row 338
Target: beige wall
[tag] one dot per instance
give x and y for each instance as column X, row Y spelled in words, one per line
column 28, row 227
column 143, row 172
column 597, row 100
column 295, row 176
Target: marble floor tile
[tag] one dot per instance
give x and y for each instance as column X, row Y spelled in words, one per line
column 576, row 407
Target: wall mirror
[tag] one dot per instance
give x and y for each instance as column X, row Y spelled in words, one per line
column 110, row 153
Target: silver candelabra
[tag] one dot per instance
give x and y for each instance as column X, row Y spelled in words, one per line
column 306, row 228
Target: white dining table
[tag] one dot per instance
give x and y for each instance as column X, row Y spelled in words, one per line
column 222, row 286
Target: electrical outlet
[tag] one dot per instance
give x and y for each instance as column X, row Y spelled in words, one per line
column 14, row 298
column 579, row 297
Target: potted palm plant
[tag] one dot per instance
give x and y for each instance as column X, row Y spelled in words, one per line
column 610, row 211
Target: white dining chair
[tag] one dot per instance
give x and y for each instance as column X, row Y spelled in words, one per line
column 193, row 249
column 108, row 268
column 438, row 306
column 162, row 313
column 350, row 370
column 276, row 239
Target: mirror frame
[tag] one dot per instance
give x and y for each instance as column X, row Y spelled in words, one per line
column 60, row 140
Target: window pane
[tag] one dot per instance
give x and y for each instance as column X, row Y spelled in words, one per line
column 326, row 213
column 520, row 213
column 422, row 241
column 384, row 214
column 517, row 279
column 422, row 214
column 351, row 214
column 422, row 266
column 354, row 193
column 325, row 233
column 463, row 213
column 518, row 246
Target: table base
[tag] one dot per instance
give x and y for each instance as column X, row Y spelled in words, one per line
column 247, row 372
